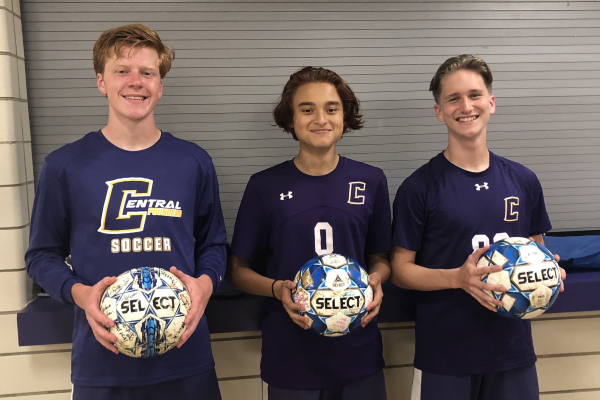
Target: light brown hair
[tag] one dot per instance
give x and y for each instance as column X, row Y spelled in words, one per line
column 113, row 41
column 453, row 64
column 283, row 114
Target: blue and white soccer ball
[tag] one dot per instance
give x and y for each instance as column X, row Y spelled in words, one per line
column 148, row 306
column 333, row 292
column 530, row 274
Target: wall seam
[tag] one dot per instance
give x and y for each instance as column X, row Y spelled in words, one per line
column 17, row 395
column 236, row 338
column 571, row 391
column 14, row 227
column 561, row 355
column 238, row 378
column 16, row 184
column 10, row 11
column 397, row 366
column 6, row 53
column 24, row 353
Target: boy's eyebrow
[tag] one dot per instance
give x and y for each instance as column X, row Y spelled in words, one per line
column 310, row 103
column 118, row 64
column 458, row 94
column 451, row 95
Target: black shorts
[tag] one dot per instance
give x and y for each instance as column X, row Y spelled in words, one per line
column 371, row 387
column 514, row 384
column 197, row 387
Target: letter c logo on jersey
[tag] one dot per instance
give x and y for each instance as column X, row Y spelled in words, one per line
column 114, row 218
column 510, row 204
column 354, row 197
column 127, row 206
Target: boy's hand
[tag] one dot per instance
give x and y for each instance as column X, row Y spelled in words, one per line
column 468, row 278
column 283, row 292
column 88, row 299
column 200, row 290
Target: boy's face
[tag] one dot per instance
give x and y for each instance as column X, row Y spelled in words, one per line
column 465, row 104
column 318, row 115
column 132, row 83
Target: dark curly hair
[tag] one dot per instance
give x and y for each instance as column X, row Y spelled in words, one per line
column 283, row 114
column 453, row 64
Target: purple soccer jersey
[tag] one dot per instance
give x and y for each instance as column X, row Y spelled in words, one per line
column 292, row 217
column 443, row 213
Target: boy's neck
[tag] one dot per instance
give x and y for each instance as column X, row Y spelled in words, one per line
column 131, row 135
column 470, row 155
column 317, row 163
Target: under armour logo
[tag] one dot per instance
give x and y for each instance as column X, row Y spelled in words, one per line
column 478, row 186
column 283, row 196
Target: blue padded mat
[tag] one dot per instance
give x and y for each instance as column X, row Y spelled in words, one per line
column 583, row 250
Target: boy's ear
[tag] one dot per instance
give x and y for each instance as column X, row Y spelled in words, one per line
column 100, row 83
column 438, row 113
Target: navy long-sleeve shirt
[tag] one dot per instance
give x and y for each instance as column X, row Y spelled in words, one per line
column 113, row 210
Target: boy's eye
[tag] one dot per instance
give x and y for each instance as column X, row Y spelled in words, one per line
column 306, row 110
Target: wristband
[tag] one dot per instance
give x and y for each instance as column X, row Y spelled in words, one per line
column 273, row 288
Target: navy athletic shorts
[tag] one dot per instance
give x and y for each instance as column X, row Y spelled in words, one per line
column 198, row 387
column 514, row 384
column 371, row 387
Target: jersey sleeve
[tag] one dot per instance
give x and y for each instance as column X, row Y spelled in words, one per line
column 540, row 222
column 379, row 236
column 410, row 214
column 250, row 235
column 49, row 238
column 209, row 230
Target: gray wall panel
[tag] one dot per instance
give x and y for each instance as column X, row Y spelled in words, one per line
column 232, row 58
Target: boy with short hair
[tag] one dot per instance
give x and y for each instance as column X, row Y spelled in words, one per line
column 315, row 204
column 449, row 211
column 96, row 200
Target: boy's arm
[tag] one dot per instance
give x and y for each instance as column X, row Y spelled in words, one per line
column 209, row 231
column 243, row 277
column 49, row 246
column 379, row 272
column 378, row 243
column 408, row 275
column 210, row 252
column 563, row 274
column 49, row 238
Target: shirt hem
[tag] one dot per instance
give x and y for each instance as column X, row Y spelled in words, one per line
column 141, row 381
column 323, row 385
column 482, row 370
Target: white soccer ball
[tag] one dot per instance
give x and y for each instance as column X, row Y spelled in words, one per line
column 148, row 306
column 333, row 291
column 530, row 274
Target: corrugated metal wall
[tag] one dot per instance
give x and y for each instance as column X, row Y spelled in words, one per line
column 234, row 57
